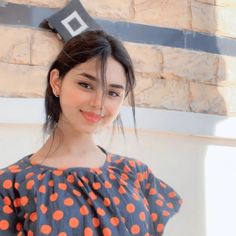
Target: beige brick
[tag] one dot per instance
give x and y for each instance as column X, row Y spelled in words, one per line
column 212, row 99
column 189, row 65
column 168, row 13
column 41, row 3
column 15, row 49
column 214, row 19
column 146, row 58
column 22, row 80
column 45, row 47
column 162, row 93
column 226, row 74
column 114, row 9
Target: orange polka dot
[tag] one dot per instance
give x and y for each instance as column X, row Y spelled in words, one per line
column 51, row 183
column 30, row 233
column 106, row 232
column 62, row 186
column 160, row 228
column 106, row 202
column 30, row 174
column 142, row 216
column 107, row 184
column 80, row 183
column 116, row 200
column 135, row 229
column 96, row 170
column 114, row 221
column 58, row 215
column 96, row 185
column 130, row 208
column 132, row 163
column 135, row 196
column 122, row 190
column 57, row 172
column 165, row 213
column 154, row 216
column 4, row 225
column 7, row 210
column 88, row 231
column 77, row 193
column 89, row 201
column 7, row 184
column 33, row 216
column 172, row 194
column 85, row 179
column 18, row 226
column 84, row 210
column 46, row 229
column 136, row 184
column 42, row 189
column 40, row 176
column 62, row 234
column 112, row 176
column 100, row 211
column 16, row 185
column 43, row 208
column 147, row 186
column 30, row 184
column 159, row 202
column 53, row 197
column 122, row 182
column 70, row 179
column 170, row 205
column 73, row 222
column 24, row 200
column 7, row 201
column 96, row 222
column 92, row 195
column 152, row 191
column 17, row 202
column 124, row 176
column 68, row 201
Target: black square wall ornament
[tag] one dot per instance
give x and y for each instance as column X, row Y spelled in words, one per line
column 70, row 21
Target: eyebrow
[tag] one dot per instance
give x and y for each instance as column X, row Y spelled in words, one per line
column 91, row 77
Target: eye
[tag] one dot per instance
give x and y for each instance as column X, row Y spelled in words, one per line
column 113, row 94
column 85, row 85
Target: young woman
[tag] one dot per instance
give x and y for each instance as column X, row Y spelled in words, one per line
column 71, row 186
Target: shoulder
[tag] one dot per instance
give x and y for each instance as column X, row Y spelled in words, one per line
column 133, row 164
column 13, row 173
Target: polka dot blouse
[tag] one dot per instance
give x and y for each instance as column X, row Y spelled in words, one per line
column 122, row 197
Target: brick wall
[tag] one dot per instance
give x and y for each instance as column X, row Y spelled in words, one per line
column 168, row 78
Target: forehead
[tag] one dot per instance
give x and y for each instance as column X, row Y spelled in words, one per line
column 115, row 72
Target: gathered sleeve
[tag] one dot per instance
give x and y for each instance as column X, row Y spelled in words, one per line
column 161, row 199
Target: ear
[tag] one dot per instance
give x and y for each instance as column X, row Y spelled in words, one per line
column 55, row 82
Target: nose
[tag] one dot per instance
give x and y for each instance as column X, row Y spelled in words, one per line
column 97, row 100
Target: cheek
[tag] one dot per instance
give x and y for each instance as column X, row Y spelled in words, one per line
column 114, row 107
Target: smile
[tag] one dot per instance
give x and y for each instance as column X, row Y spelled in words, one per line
column 91, row 117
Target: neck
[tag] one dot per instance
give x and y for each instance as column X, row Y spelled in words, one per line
column 67, row 142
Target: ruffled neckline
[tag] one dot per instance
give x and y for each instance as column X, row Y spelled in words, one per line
column 46, row 167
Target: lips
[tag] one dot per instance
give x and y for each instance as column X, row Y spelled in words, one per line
column 91, row 116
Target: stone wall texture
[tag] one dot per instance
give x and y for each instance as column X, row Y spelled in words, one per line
column 167, row 77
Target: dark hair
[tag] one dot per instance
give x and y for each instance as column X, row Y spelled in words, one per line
column 79, row 49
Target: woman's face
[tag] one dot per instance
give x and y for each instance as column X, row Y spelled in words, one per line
column 80, row 93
